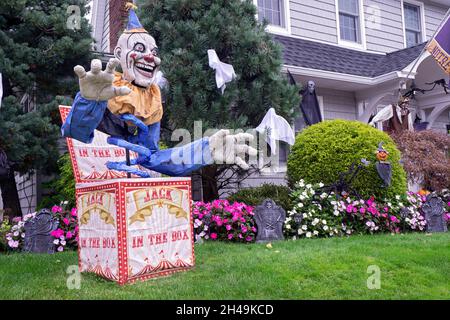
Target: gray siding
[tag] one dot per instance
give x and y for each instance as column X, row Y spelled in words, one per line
column 338, row 104
column 433, row 18
column 314, row 19
column 388, row 35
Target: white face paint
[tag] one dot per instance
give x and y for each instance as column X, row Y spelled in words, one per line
column 138, row 55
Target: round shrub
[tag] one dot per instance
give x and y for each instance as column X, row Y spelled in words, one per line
column 322, row 151
column 255, row 196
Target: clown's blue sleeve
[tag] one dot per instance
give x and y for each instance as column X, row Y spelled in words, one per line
column 83, row 119
column 180, row 161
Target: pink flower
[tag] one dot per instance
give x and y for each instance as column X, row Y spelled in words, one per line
column 447, row 216
column 253, row 229
column 73, row 212
column 69, row 235
column 349, row 208
column 230, row 236
column 60, row 248
column 57, row 233
column 244, row 229
column 362, row 210
column 17, row 219
column 66, row 221
column 394, row 219
column 240, row 236
column 248, row 238
column 56, row 209
column 228, row 227
column 213, row 236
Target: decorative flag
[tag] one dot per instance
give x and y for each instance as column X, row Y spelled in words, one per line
column 1, row 90
column 275, row 127
column 224, row 72
column 439, row 46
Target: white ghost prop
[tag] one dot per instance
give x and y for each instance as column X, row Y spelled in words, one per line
column 275, row 127
column 224, row 72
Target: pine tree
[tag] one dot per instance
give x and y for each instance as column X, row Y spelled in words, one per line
column 37, row 55
column 184, row 30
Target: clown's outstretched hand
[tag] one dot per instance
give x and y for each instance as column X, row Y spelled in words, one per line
column 229, row 148
column 96, row 84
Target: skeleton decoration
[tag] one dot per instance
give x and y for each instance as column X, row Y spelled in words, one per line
column 310, row 105
column 112, row 102
column 398, row 115
column 384, row 168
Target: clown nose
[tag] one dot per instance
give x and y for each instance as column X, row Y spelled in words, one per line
column 149, row 58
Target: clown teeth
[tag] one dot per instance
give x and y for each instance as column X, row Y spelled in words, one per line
column 144, row 67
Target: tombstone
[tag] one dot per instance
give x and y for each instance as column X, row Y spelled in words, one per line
column 270, row 219
column 433, row 209
column 37, row 233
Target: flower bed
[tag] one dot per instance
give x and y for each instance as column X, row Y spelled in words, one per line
column 222, row 220
column 12, row 233
column 325, row 216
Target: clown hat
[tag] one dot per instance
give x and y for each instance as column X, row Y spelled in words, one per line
column 133, row 25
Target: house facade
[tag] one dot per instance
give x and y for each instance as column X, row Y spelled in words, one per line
column 359, row 53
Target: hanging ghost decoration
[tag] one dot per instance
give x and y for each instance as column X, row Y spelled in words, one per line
column 224, row 71
column 383, row 166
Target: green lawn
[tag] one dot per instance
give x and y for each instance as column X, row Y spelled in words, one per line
column 413, row 266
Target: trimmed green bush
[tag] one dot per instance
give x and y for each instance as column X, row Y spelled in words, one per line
column 255, row 196
column 322, row 151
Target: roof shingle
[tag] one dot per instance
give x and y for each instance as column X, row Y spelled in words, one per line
column 315, row 55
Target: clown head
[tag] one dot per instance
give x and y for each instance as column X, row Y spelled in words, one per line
column 138, row 53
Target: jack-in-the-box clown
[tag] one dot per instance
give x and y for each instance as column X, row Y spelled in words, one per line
column 109, row 101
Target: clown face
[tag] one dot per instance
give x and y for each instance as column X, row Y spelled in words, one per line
column 138, row 55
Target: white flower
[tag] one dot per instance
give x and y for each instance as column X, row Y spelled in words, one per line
column 308, row 234
column 348, row 232
column 316, row 232
column 309, row 186
column 294, row 238
column 205, row 228
column 62, row 237
column 301, row 183
column 336, row 213
column 315, row 221
column 288, row 226
column 304, row 227
column 197, row 223
column 302, row 197
column 321, row 185
column 300, row 205
column 324, row 221
column 305, row 215
column 300, row 231
column 16, row 234
column 60, row 249
column 323, row 195
column 63, row 243
column 325, row 228
column 397, row 197
column 56, row 241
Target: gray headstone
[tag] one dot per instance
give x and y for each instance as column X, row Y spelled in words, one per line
column 37, row 233
column 433, row 209
column 269, row 220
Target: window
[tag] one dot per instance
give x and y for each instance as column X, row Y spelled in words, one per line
column 272, row 11
column 413, row 25
column 349, row 21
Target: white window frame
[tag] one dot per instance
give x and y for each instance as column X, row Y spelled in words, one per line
column 286, row 30
column 422, row 18
column 362, row 28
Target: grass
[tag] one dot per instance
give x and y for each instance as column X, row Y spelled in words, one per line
column 413, row 266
